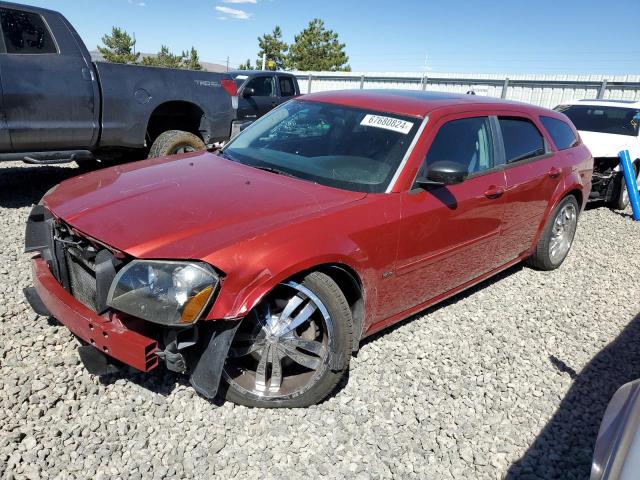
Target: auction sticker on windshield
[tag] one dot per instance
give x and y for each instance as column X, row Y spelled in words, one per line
column 388, row 123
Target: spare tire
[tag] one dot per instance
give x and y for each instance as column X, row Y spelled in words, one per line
column 173, row 142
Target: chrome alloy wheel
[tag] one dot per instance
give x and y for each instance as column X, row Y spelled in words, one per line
column 281, row 349
column 562, row 233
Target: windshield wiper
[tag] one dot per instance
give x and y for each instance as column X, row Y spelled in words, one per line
column 274, row 170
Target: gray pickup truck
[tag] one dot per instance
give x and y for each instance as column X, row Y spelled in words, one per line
column 56, row 105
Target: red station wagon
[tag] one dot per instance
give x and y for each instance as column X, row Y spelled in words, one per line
column 257, row 270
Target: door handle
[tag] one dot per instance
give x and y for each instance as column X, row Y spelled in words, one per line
column 554, row 172
column 494, row 192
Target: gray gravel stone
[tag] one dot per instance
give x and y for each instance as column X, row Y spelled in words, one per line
column 508, row 380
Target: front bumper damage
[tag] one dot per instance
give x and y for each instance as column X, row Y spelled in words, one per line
column 110, row 338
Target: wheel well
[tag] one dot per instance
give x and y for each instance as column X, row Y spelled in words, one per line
column 578, row 194
column 174, row 116
column 349, row 282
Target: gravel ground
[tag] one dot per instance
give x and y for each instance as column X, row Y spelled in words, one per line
column 508, row 380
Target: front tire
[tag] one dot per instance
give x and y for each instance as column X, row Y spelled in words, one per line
column 173, row 142
column 293, row 348
column 557, row 236
column 621, row 199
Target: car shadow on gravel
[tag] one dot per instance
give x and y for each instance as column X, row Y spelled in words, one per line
column 564, row 447
column 24, row 186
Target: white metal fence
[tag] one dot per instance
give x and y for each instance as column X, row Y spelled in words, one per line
column 544, row 90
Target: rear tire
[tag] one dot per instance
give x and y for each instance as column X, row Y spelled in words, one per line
column 557, row 237
column 268, row 367
column 173, row 142
column 621, row 199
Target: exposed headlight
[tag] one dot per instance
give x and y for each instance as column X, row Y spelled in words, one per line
column 165, row 292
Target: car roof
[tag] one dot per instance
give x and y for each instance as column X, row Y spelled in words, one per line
column 415, row 103
column 26, row 8
column 604, row 102
column 256, row 72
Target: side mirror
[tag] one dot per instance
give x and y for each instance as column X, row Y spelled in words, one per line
column 248, row 92
column 442, row 173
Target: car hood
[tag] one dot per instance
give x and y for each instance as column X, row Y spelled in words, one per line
column 185, row 206
column 609, row 145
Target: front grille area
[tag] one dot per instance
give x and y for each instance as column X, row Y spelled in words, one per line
column 83, row 268
column 82, row 277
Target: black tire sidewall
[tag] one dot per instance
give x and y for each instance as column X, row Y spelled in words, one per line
column 337, row 306
column 619, row 203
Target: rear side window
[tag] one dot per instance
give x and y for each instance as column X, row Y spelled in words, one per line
column 522, row 139
column 263, row 86
column 467, row 141
column 25, row 33
column 560, row 132
column 287, row 89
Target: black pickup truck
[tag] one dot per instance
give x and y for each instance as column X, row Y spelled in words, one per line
column 261, row 90
column 57, row 105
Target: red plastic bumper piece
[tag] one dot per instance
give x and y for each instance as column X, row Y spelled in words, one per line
column 104, row 333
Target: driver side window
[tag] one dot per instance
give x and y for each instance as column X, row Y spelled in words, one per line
column 263, row 86
column 467, row 141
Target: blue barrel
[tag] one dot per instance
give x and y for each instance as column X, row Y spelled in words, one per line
column 632, row 184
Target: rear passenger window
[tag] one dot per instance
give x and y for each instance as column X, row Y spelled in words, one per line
column 25, row 33
column 287, row 88
column 560, row 132
column 466, row 141
column 522, row 139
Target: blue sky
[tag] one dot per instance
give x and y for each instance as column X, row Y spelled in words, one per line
column 494, row 36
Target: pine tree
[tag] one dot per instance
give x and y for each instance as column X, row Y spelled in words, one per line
column 191, row 60
column 275, row 49
column 118, row 47
column 318, row 49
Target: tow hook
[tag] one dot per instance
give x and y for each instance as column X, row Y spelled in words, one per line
column 175, row 342
column 173, row 359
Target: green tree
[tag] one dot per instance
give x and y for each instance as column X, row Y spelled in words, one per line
column 191, row 60
column 246, row 66
column 275, row 49
column 118, row 47
column 164, row 58
column 318, row 49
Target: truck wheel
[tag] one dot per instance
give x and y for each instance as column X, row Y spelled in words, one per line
column 621, row 200
column 557, row 236
column 172, row 142
column 293, row 348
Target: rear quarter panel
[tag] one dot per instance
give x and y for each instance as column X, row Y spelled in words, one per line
column 130, row 94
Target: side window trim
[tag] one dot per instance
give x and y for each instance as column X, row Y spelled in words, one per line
column 496, row 137
column 547, row 150
column 576, row 136
column 3, row 46
column 45, row 23
column 286, row 78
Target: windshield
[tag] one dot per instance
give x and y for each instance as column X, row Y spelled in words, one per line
column 590, row 118
column 343, row 147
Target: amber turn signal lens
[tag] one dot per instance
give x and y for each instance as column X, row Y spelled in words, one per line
column 194, row 307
